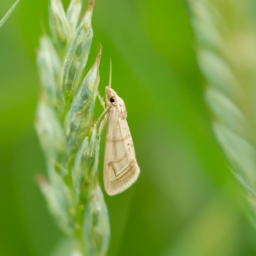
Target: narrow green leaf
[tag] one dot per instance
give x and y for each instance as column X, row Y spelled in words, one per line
column 2, row 21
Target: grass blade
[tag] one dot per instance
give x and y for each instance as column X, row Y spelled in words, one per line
column 2, row 21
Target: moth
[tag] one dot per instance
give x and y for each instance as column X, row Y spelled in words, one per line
column 121, row 169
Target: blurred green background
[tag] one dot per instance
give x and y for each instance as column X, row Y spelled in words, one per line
column 186, row 202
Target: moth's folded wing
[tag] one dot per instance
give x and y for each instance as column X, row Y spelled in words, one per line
column 120, row 167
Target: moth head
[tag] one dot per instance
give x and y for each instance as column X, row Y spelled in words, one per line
column 111, row 96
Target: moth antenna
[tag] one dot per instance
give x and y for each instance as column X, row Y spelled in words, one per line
column 110, row 74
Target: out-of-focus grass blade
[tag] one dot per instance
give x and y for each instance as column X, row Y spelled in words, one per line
column 2, row 21
column 230, row 79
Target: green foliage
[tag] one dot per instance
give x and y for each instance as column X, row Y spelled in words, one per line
column 220, row 52
column 66, row 129
column 185, row 201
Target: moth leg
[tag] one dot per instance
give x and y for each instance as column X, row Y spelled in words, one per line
column 103, row 113
column 102, row 102
column 103, row 122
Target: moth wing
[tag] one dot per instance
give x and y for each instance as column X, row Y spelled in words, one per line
column 120, row 166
